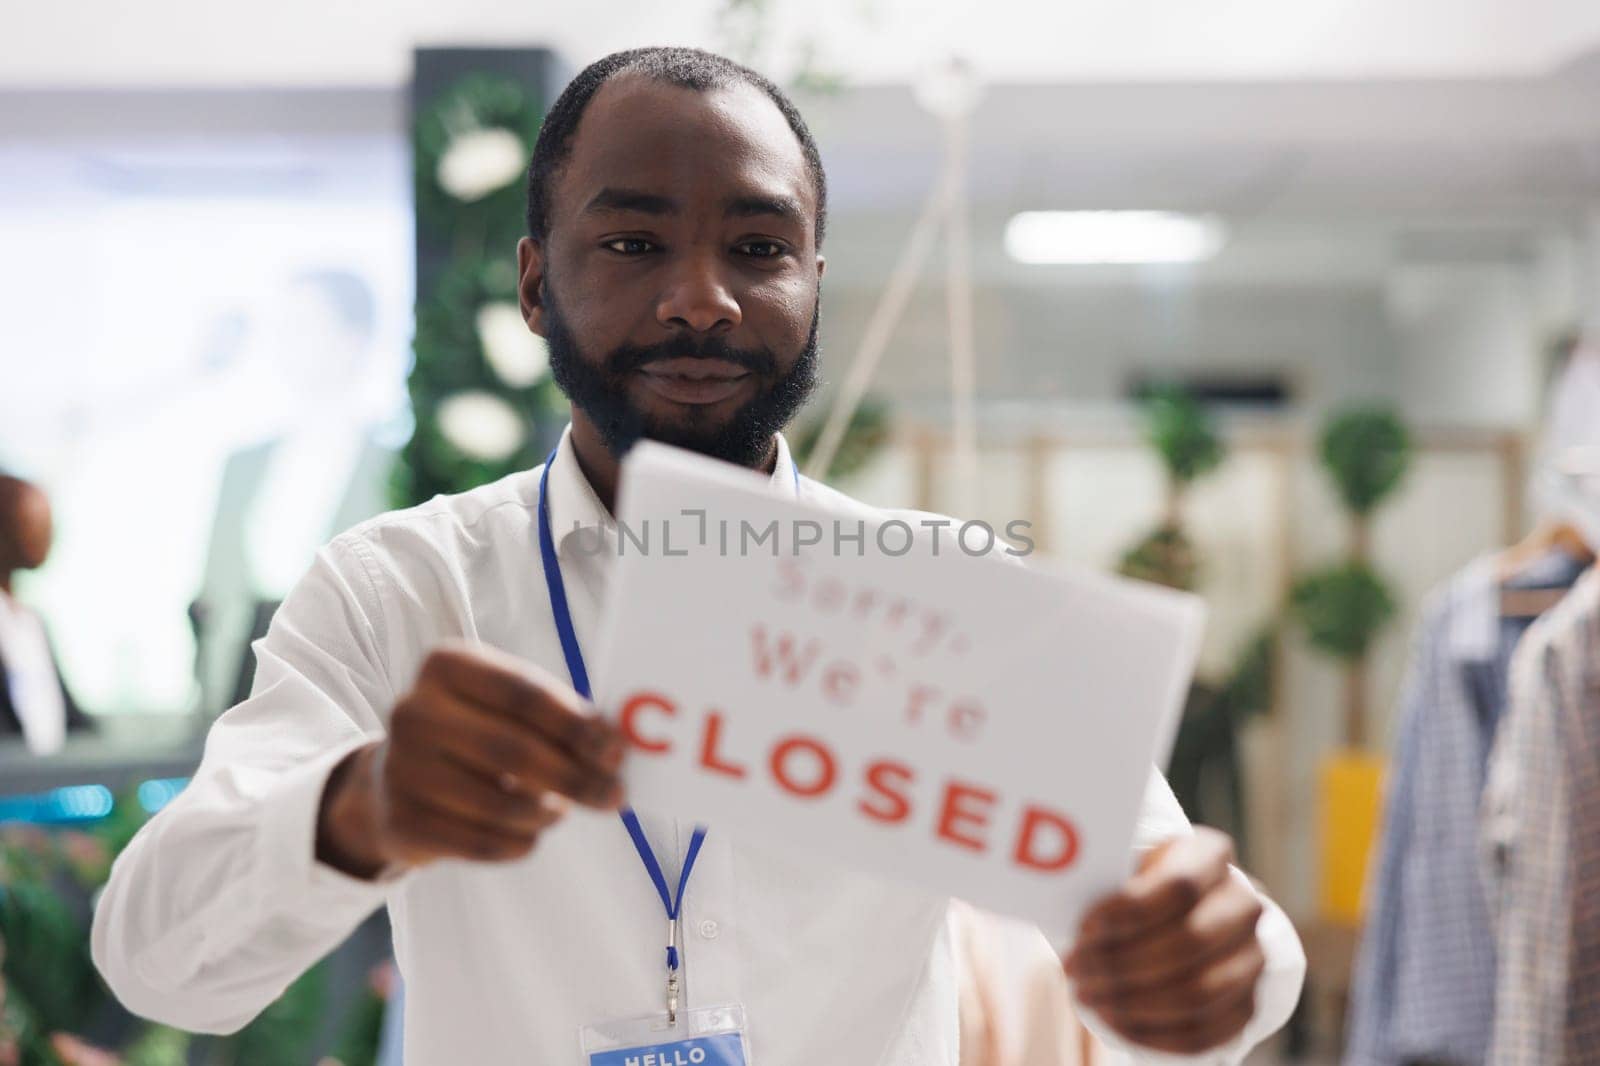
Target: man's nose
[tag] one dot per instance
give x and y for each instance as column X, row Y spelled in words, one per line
column 698, row 298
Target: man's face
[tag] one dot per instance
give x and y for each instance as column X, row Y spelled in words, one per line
column 678, row 282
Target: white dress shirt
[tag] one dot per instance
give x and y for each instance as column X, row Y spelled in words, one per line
column 219, row 903
column 31, row 677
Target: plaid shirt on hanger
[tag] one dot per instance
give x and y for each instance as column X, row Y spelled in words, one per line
column 1540, row 817
column 1424, row 985
column 1579, row 674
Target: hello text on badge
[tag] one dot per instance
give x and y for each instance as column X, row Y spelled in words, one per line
column 717, row 1049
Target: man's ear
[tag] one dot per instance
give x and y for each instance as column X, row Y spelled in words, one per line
column 822, row 265
column 530, row 283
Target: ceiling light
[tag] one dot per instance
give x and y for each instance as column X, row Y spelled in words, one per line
column 1113, row 237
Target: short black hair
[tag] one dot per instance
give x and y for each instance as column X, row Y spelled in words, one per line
column 688, row 68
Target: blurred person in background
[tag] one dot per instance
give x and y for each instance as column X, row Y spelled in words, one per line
column 316, row 474
column 34, row 701
column 274, row 373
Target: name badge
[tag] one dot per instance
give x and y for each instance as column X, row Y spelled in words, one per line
column 705, row 1036
column 721, row 1049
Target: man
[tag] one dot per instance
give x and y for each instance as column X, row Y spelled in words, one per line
column 34, row 701
column 414, row 701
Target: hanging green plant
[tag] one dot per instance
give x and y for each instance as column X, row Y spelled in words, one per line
column 481, row 390
column 1165, row 556
column 1367, row 452
column 1183, row 433
column 1186, row 440
column 1342, row 608
column 471, row 146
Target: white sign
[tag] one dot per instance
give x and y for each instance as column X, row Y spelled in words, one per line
column 964, row 723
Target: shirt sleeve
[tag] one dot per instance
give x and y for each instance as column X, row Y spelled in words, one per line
column 1373, row 999
column 1278, row 988
column 218, row 902
column 1526, row 836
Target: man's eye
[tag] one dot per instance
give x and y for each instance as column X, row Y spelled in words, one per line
column 629, row 245
column 762, row 249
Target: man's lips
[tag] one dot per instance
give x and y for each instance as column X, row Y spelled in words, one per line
column 694, row 381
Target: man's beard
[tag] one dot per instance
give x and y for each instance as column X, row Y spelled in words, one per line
column 600, row 392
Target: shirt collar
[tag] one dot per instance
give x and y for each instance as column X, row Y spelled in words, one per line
column 1475, row 627
column 574, row 506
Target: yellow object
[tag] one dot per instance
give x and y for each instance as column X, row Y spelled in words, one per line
column 1352, row 801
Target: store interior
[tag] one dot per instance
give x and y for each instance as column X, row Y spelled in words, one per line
column 1287, row 308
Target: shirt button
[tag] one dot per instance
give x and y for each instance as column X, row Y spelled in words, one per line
column 709, row 929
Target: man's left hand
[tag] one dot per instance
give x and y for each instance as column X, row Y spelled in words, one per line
column 1171, row 961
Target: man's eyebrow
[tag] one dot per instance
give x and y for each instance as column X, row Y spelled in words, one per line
column 610, row 199
column 784, row 207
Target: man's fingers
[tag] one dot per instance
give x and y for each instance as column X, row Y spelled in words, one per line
column 1171, row 962
column 1220, row 923
column 458, row 789
column 510, row 756
column 1189, row 998
column 526, row 693
column 556, row 771
column 1169, row 886
column 1201, row 1033
column 422, row 832
column 485, row 753
column 439, row 721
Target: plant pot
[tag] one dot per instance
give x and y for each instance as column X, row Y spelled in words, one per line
column 1350, row 801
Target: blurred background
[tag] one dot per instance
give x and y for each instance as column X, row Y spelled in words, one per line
column 1270, row 301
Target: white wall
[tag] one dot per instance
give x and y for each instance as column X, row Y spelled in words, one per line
column 1079, row 344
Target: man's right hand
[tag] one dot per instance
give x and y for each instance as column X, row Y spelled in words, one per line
column 483, row 754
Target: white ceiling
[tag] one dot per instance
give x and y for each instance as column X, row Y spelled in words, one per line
column 1319, row 182
column 368, row 42
column 1480, row 141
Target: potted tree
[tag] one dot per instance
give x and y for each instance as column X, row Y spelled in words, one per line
column 1342, row 608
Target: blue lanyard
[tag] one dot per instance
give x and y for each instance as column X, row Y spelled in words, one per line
column 562, row 614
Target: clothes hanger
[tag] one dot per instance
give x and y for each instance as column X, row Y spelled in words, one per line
column 1547, row 538
column 1566, row 481
column 1580, row 472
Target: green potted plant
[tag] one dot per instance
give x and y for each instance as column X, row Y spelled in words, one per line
column 1206, row 770
column 1185, row 437
column 51, row 996
column 1342, row 608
